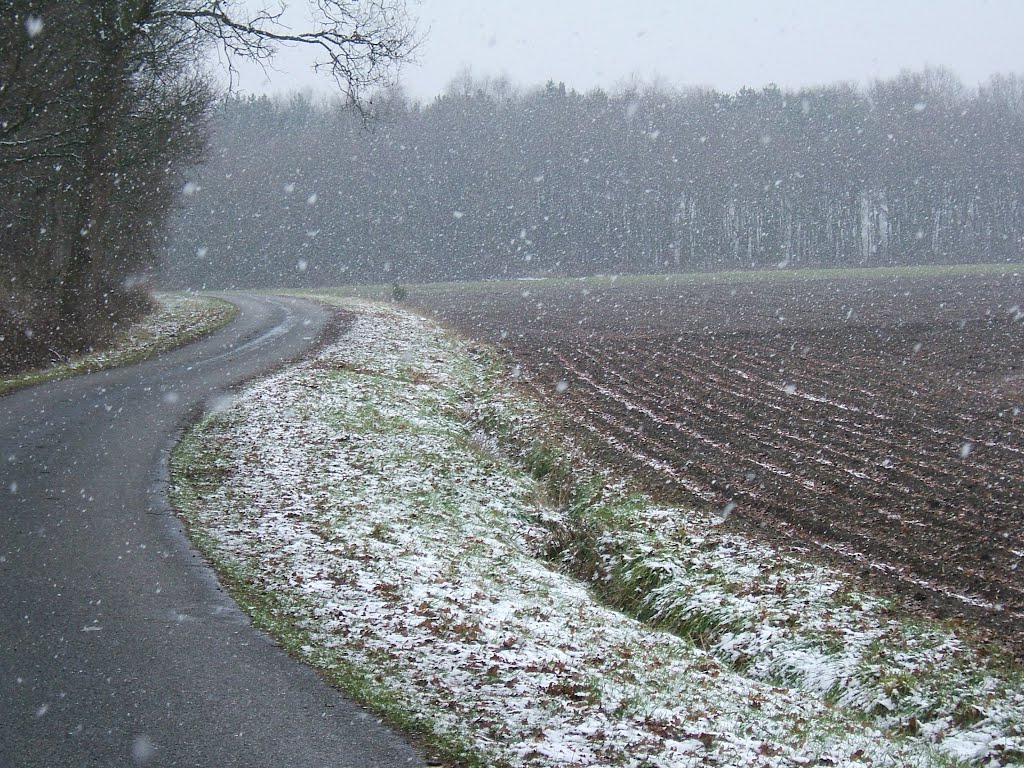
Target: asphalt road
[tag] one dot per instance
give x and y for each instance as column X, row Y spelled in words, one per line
column 117, row 647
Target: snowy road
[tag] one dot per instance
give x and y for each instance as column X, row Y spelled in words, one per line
column 116, row 645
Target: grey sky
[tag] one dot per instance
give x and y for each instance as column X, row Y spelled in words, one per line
column 725, row 44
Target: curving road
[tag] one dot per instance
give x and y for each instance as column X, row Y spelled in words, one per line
column 117, row 647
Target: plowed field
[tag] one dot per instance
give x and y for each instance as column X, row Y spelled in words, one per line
column 877, row 422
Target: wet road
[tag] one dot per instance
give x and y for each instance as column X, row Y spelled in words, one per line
column 117, row 647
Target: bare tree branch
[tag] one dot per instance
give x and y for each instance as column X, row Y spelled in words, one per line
column 361, row 44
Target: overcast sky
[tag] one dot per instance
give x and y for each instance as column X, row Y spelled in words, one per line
column 721, row 43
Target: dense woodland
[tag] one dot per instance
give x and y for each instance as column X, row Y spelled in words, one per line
column 103, row 106
column 487, row 181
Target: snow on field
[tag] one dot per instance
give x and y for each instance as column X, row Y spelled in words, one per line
column 361, row 490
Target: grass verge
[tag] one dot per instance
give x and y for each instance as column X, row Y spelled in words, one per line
column 177, row 320
column 198, row 471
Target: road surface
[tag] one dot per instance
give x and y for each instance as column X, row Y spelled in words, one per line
column 117, row 647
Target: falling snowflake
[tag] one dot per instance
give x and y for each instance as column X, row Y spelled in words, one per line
column 34, row 25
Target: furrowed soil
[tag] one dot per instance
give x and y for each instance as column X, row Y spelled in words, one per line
column 876, row 423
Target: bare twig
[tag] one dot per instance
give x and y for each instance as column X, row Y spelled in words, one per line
column 360, row 44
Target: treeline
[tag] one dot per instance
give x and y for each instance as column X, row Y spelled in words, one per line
column 489, row 182
column 103, row 105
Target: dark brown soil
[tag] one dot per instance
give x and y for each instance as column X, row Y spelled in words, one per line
column 879, row 421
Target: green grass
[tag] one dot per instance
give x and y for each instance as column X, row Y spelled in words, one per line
column 414, row 291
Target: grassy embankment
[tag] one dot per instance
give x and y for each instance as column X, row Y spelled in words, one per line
column 400, row 517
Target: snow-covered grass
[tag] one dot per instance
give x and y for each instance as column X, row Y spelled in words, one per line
column 794, row 624
column 177, row 319
column 402, row 518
